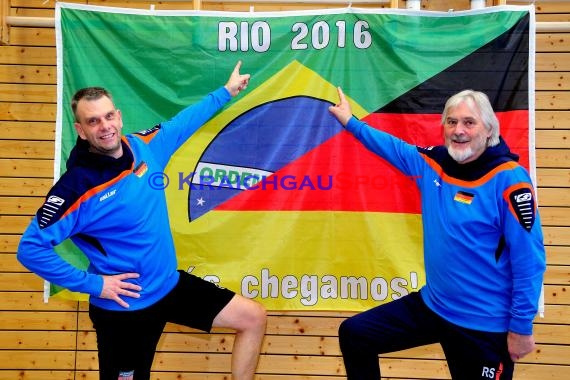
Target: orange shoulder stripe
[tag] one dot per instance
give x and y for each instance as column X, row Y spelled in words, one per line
column 459, row 182
column 146, row 137
column 97, row 189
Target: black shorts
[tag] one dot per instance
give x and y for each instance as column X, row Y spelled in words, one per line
column 127, row 340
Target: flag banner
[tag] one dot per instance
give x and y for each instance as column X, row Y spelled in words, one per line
column 272, row 198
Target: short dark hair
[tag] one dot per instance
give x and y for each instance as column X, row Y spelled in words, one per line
column 88, row 93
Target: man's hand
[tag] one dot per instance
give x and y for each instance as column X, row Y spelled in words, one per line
column 519, row 345
column 237, row 81
column 115, row 286
column 342, row 110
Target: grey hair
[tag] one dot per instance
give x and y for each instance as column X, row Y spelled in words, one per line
column 479, row 103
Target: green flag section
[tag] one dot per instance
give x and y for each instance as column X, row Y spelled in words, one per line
column 272, row 198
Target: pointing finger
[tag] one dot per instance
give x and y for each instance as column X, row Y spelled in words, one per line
column 237, row 68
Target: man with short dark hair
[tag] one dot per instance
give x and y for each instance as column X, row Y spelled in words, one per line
column 105, row 205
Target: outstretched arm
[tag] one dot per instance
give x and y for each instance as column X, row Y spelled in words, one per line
column 342, row 110
column 237, row 82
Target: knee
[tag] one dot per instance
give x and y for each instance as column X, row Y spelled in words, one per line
column 260, row 315
column 257, row 316
column 347, row 329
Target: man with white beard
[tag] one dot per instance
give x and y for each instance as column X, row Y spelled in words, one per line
column 483, row 250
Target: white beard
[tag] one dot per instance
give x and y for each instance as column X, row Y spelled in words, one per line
column 465, row 154
column 460, row 155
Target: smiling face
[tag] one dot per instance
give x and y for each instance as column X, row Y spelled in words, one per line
column 465, row 134
column 100, row 124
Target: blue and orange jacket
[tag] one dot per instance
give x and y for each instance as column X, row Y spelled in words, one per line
column 111, row 211
column 483, row 245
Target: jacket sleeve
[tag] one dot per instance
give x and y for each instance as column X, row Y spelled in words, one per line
column 403, row 156
column 36, row 251
column 524, row 240
column 174, row 132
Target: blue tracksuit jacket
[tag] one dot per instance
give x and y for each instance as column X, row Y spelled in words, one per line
column 111, row 212
column 483, row 245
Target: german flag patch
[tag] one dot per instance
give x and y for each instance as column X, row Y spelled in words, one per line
column 141, row 169
column 464, row 197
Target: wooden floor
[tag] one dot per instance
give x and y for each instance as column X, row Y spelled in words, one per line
column 55, row 340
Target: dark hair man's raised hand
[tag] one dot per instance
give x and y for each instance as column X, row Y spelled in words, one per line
column 237, row 82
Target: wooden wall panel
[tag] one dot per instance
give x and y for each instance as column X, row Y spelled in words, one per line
column 55, row 340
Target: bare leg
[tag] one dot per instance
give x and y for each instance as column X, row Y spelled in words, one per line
column 248, row 318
